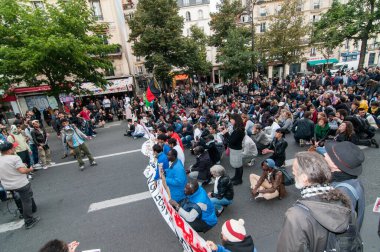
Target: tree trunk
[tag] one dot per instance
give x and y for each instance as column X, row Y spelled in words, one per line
column 60, row 105
column 364, row 40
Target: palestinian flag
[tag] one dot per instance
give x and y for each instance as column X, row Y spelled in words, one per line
column 151, row 93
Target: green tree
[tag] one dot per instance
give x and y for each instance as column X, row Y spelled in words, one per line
column 195, row 57
column 225, row 19
column 60, row 45
column 157, row 35
column 285, row 38
column 356, row 20
column 235, row 54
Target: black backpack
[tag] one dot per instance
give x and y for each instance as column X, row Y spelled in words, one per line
column 287, row 178
column 349, row 241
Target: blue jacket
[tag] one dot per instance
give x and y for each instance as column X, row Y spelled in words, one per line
column 223, row 249
column 166, row 148
column 161, row 159
column 208, row 216
column 176, row 180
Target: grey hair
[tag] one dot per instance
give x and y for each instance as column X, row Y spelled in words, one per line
column 314, row 166
column 218, row 170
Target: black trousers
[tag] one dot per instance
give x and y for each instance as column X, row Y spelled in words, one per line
column 26, row 196
column 25, row 157
column 200, row 226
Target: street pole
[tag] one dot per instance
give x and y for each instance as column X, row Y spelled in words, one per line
column 251, row 6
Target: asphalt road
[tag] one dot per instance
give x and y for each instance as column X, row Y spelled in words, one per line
column 63, row 195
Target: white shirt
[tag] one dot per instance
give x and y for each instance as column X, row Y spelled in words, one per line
column 181, row 155
column 272, row 130
column 216, row 185
column 107, row 103
column 139, row 129
column 10, row 177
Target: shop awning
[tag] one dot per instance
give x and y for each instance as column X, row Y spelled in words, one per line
column 322, row 61
column 7, row 98
column 24, row 90
column 180, row 77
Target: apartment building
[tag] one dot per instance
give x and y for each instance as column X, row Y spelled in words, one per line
column 314, row 59
column 24, row 98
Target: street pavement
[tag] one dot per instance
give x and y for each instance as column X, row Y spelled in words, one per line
column 64, row 196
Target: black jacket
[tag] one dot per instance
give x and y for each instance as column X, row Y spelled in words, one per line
column 213, row 152
column 303, row 129
column 225, row 188
column 279, row 147
column 235, row 140
column 39, row 138
column 246, row 245
column 203, row 165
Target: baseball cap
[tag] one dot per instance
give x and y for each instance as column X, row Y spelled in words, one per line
column 270, row 162
column 4, row 146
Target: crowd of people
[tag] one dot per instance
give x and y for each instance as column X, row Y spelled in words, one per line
column 328, row 114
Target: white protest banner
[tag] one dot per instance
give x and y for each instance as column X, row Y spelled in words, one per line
column 190, row 239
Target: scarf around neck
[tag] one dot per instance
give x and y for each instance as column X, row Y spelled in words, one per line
column 313, row 190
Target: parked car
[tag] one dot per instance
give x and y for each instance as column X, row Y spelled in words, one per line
column 344, row 66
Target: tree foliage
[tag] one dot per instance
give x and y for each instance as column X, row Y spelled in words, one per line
column 58, row 45
column 356, row 20
column 225, row 19
column 195, row 53
column 235, row 54
column 157, row 35
column 285, row 38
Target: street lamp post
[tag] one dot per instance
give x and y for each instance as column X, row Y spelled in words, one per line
column 250, row 8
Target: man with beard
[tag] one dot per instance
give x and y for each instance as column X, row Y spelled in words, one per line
column 321, row 211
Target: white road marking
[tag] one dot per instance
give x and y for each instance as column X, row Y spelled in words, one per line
column 11, row 226
column 98, row 157
column 112, row 125
column 118, row 201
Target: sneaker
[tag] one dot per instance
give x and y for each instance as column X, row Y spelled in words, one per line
column 93, row 163
column 37, row 167
column 45, row 167
column 219, row 212
column 32, row 223
column 64, row 156
column 135, row 138
column 259, row 198
column 302, row 143
column 29, row 177
column 81, row 167
column 252, row 163
column 374, row 142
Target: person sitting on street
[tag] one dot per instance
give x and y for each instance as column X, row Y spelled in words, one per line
column 131, row 128
column 162, row 160
column 249, row 151
column 197, row 209
column 270, row 184
column 277, row 148
column 175, row 177
column 260, row 138
column 303, row 129
column 223, row 192
column 174, row 146
column 187, row 133
column 59, row 246
column 162, row 140
column 212, row 150
column 234, row 238
column 201, row 169
column 172, row 134
column 13, row 178
column 75, row 139
column 139, row 130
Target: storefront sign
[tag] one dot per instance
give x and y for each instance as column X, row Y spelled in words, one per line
column 189, row 239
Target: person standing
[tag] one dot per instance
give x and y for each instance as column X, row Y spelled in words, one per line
column 75, row 138
column 13, row 178
column 321, row 210
column 40, row 139
column 107, row 105
column 235, row 144
column 22, row 149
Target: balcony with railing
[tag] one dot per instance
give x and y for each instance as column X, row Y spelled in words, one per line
column 186, row 3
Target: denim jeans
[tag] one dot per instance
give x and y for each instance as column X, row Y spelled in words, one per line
column 34, row 150
column 219, row 203
column 186, row 140
column 137, row 135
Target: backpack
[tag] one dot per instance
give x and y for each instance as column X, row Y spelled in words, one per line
column 287, row 178
column 349, row 241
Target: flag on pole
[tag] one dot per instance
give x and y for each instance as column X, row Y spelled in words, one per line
column 151, row 93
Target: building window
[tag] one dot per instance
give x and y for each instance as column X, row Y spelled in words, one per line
column 138, row 58
column 97, row 9
column 278, row 8
column 263, row 12
column 186, row 2
column 317, row 4
column 198, row 1
column 313, row 51
column 188, row 32
column 371, row 59
column 188, row 16
column 347, row 45
column 200, row 14
column 140, row 70
column 104, row 38
column 263, row 27
column 38, row 5
column 300, row 5
column 110, row 71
